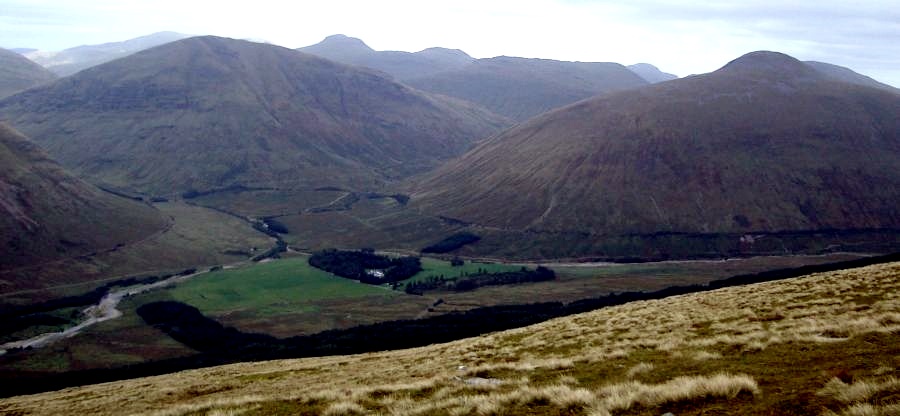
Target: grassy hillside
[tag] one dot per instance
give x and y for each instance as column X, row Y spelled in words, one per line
column 17, row 73
column 521, row 88
column 764, row 145
column 811, row 345
column 210, row 113
column 47, row 214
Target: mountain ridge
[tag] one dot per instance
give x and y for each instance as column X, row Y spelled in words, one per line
column 187, row 107
column 759, row 145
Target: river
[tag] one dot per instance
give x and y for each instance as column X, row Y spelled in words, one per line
column 94, row 314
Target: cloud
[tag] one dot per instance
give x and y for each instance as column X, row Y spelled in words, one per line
column 679, row 36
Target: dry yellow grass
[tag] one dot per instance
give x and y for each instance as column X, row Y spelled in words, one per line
column 684, row 353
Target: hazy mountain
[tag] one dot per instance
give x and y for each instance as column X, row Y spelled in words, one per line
column 651, row 73
column 210, row 112
column 17, row 73
column 764, row 144
column 47, row 213
column 840, row 73
column 520, row 88
column 400, row 65
column 72, row 60
column 23, row 50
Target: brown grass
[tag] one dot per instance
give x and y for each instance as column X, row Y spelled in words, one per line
column 721, row 352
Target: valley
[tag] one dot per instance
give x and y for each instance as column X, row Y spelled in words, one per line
column 235, row 227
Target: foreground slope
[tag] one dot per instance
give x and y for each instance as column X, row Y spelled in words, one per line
column 824, row 342
column 17, row 73
column 47, row 214
column 520, row 88
column 764, row 145
column 72, row 60
column 207, row 112
column 398, row 64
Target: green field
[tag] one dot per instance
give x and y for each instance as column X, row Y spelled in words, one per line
column 274, row 288
column 434, row 267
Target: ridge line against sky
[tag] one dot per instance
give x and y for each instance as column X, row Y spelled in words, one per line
column 678, row 36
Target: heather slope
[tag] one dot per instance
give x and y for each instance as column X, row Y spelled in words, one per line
column 764, row 145
column 48, row 214
column 820, row 343
column 520, row 88
column 206, row 113
column 17, row 73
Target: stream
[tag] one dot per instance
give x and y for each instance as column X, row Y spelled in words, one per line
column 94, row 314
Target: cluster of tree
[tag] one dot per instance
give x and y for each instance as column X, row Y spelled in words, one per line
column 357, row 265
column 482, row 278
column 220, row 345
column 451, row 243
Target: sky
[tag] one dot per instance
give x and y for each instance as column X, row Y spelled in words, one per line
column 679, row 36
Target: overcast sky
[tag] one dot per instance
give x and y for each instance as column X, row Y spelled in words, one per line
column 679, row 36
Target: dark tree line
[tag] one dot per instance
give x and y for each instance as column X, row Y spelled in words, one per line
column 354, row 265
column 474, row 281
column 451, row 243
column 187, row 325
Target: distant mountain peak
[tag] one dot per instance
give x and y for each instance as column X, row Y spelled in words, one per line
column 445, row 51
column 651, row 73
column 345, row 41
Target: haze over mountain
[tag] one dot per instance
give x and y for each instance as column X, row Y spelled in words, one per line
column 521, row 88
column 72, row 60
column 17, row 73
column 207, row 112
column 48, row 214
column 400, row 65
column 651, row 73
column 765, row 144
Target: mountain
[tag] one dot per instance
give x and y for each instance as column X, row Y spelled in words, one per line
column 206, row 113
column 651, row 73
column 520, row 88
column 840, row 73
column 400, row 65
column 72, row 60
column 17, row 73
column 23, row 50
column 765, row 145
column 49, row 214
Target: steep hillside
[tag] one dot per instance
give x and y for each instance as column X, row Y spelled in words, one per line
column 764, row 145
column 651, row 73
column 400, row 65
column 520, row 88
column 839, row 73
column 72, row 60
column 48, row 214
column 17, row 73
column 206, row 113
column 811, row 345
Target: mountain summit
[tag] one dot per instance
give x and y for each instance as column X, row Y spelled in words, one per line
column 397, row 64
column 764, row 145
column 208, row 112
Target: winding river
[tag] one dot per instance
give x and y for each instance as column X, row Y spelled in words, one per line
column 94, row 314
